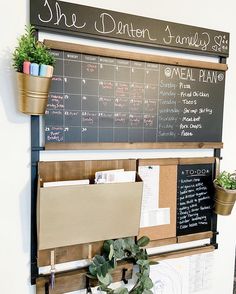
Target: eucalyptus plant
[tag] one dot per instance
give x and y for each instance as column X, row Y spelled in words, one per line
column 127, row 249
column 29, row 49
column 226, row 180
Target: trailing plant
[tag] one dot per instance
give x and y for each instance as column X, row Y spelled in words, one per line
column 226, row 180
column 122, row 249
column 29, row 49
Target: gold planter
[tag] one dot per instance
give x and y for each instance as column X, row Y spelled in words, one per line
column 33, row 93
column 224, row 200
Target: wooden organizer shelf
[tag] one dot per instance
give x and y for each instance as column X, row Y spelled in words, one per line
column 76, row 279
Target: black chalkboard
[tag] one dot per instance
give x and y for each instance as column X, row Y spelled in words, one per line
column 100, row 23
column 103, row 99
column 194, row 198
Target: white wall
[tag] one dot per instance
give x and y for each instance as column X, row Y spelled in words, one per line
column 15, row 134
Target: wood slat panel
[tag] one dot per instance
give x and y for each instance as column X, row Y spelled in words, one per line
column 118, row 146
column 52, row 171
column 76, row 279
column 194, row 237
column 196, row 160
column 183, row 252
column 134, row 56
column 79, row 170
column 69, row 253
column 158, row 161
column 162, row 242
column 175, row 161
column 77, row 252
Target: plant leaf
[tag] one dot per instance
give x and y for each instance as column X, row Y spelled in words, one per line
column 152, row 262
column 121, row 291
column 111, row 253
column 147, row 291
column 143, row 241
column 91, row 276
column 105, row 280
column 106, row 245
column 148, row 283
column 104, row 269
column 93, row 269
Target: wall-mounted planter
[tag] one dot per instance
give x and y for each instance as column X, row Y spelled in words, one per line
column 224, row 200
column 32, row 93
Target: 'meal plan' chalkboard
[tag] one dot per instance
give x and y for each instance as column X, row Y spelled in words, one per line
column 103, row 99
column 194, row 198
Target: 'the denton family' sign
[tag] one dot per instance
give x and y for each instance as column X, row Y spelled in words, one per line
column 95, row 22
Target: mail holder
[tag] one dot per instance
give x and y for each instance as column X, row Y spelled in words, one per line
column 69, row 215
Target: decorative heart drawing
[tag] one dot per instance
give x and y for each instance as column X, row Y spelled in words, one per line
column 218, row 40
column 214, row 48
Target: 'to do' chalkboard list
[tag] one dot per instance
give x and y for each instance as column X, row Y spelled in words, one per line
column 103, row 99
column 194, row 198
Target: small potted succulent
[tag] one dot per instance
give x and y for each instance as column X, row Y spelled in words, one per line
column 34, row 65
column 225, row 193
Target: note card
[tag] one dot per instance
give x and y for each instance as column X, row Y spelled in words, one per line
column 151, row 214
column 155, row 217
column 65, row 183
column 150, row 177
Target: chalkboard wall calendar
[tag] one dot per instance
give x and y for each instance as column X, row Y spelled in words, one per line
column 194, row 198
column 103, row 99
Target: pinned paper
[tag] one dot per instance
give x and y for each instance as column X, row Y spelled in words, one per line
column 152, row 214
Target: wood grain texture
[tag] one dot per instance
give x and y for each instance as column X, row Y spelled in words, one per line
column 80, row 170
column 58, row 170
column 76, row 279
column 133, row 55
column 175, row 161
column 194, row 237
column 162, row 242
column 131, row 146
column 183, row 252
column 69, row 253
column 196, row 160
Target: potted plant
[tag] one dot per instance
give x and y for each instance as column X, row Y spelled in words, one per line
column 225, row 192
column 34, row 65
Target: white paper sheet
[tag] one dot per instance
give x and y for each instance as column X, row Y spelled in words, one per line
column 185, row 275
column 115, row 176
column 150, row 177
column 65, row 183
column 155, row 217
column 104, row 176
column 151, row 214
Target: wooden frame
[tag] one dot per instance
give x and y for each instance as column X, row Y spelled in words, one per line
column 57, row 45
column 68, row 282
column 53, row 171
column 76, row 279
column 132, row 146
column 168, row 172
column 134, row 56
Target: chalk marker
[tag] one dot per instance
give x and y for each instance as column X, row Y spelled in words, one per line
column 34, row 69
column 43, row 70
column 49, row 71
column 26, row 67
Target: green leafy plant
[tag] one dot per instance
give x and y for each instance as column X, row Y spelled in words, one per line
column 226, row 180
column 29, row 49
column 122, row 249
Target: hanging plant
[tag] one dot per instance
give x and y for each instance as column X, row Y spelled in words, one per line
column 122, row 249
column 33, row 63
